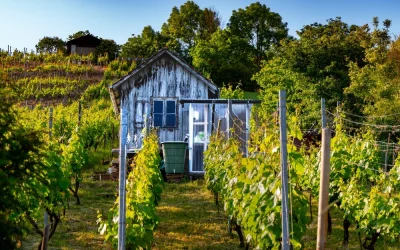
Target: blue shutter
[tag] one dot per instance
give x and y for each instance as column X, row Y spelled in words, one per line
column 170, row 118
column 158, row 108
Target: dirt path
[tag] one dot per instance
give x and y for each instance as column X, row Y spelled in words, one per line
column 189, row 220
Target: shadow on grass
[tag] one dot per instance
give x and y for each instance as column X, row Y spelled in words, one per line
column 78, row 229
column 189, row 220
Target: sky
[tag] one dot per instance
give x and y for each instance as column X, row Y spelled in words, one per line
column 24, row 22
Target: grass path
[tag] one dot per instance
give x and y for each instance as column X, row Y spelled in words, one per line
column 189, row 220
column 78, row 229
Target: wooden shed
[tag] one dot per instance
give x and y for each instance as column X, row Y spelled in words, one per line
column 83, row 45
column 151, row 93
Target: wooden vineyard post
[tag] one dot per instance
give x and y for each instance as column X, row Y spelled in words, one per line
column 122, row 179
column 323, row 115
column 230, row 121
column 46, row 216
column 79, row 113
column 386, row 154
column 219, row 127
column 324, row 190
column 284, row 170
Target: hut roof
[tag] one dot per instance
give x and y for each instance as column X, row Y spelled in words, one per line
column 117, row 85
column 85, row 41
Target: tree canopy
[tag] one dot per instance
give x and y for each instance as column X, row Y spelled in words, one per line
column 78, row 34
column 50, row 45
column 226, row 58
column 260, row 27
column 143, row 45
column 188, row 24
column 107, row 46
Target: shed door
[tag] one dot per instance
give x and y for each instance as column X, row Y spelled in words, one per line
column 73, row 49
column 199, row 134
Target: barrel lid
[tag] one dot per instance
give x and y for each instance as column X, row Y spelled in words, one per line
column 174, row 142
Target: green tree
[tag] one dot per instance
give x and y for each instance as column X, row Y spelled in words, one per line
column 226, row 58
column 107, row 46
column 276, row 74
column 31, row 179
column 78, row 34
column 261, row 27
column 143, row 45
column 188, row 24
column 376, row 84
column 50, row 45
column 321, row 55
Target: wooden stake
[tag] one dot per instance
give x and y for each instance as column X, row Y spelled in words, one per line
column 229, row 120
column 323, row 115
column 386, row 154
column 219, row 127
column 284, row 170
column 122, row 180
column 324, row 190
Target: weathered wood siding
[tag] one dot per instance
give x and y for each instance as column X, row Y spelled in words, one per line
column 165, row 78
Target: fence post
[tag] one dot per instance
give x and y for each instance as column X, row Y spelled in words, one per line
column 248, row 111
column 323, row 114
column 79, row 113
column 218, row 127
column 337, row 111
column 324, row 189
column 46, row 216
column 229, row 121
column 122, row 179
column 284, row 173
column 386, row 154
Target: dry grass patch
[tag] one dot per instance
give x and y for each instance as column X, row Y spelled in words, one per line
column 189, row 220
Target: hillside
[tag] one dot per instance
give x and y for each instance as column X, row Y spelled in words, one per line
column 49, row 79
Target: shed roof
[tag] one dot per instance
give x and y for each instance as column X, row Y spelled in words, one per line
column 85, row 41
column 117, row 85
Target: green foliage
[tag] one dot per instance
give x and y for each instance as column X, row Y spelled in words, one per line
column 275, row 75
column 358, row 186
column 107, row 46
column 260, row 27
column 316, row 66
column 143, row 45
column 251, row 187
column 75, row 158
column 187, row 25
column 54, row 87
column 230, row 93
column 226, row 57
column 20, row 152
column 51, row 45
column 376, row 84
column 31, row 176
column 78, row 34
column 117, row 69
column 144, row 187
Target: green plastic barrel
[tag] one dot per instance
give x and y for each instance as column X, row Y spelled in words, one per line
column 174, row 156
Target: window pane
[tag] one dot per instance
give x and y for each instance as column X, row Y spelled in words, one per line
column 170, row 120
column 171, row 107
column 157, row 120
column 158, row 107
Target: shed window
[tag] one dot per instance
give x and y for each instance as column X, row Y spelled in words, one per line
column 164, row 113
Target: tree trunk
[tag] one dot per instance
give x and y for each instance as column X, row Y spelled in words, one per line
column 372, row 240
column 238, row 229
column 216, row 200
column 54, row 220
column 329, row 223
column 310, row 207
column 346, row 225
column 75, row 192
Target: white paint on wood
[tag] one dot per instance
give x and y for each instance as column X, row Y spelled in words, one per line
column 164, row 78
